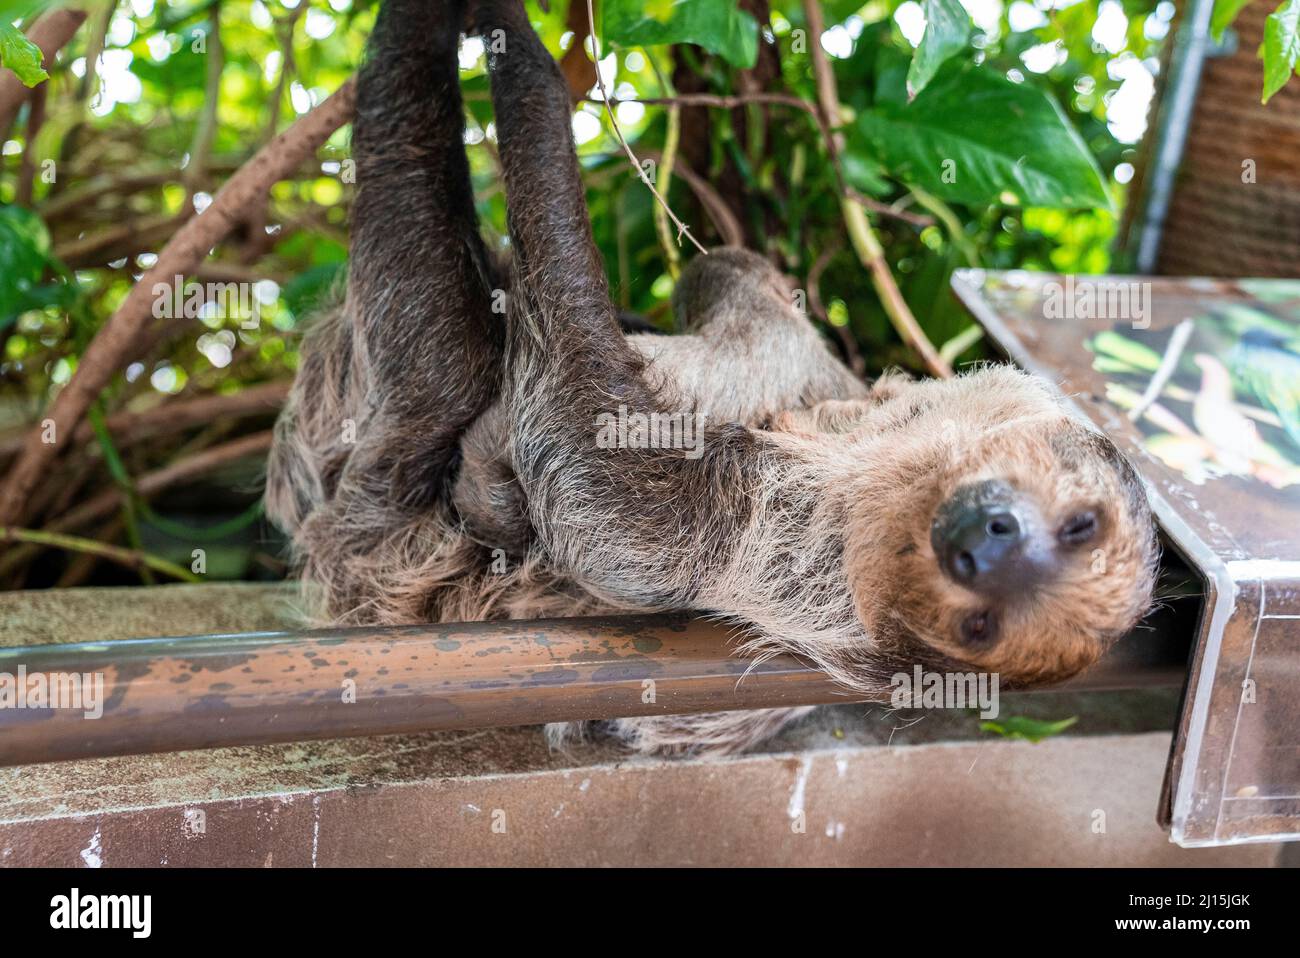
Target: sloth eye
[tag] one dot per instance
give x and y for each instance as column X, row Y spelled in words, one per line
column 1078, row 529
column 979, row 629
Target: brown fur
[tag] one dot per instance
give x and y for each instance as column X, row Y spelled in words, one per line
column 476, row 488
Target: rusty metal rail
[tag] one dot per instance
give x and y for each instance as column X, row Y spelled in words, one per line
column 170, row 694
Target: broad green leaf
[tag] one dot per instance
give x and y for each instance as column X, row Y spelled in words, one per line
column 1281, row 46
column 1225, row 11
column 310, row 289
column 947, row 28
column 1031, row 730
column 25, row 10
column 719, row 26
column 20, row 55
column 864, row 174
column 24, row 249
column 973, row 136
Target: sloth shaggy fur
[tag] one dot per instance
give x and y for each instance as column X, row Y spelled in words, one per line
column 427, row 435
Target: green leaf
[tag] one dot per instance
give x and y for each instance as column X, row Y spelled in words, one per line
column 1281, row 46
column 311, row 288
column 719, row 26
column 1031, row 730
column 947, row 28
column 973, row 136
column 1225, row 11
column 20, row 55
column 864, row 174
column 24, row 250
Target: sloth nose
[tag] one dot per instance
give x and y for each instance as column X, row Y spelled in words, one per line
column 979, row 548
column 982, row 539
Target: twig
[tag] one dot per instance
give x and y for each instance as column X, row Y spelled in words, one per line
column 664, row 175
column 27, row 168
column 863, row 238
column 579, row 72
column 75, row 200
column 288, row 66
column 79, row 569
column 131, row 558
column 682, row 229
column 950, row 221
column 205, row 131
column 891, row 210
column 109, row 501
column 150, row 483
column 94, row 49
column 257, row 240
column 177, row 415
column 51, row 33
column 120, row 335
column 120, row 239
column 782, row 99
column 724, row 220
column 1168, row 363
column 963, row 341
column 849, row 344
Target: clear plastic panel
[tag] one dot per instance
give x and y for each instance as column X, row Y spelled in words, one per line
column 1199, row 380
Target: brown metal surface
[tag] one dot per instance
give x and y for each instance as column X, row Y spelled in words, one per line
column 207, row 691
column 1234, row 774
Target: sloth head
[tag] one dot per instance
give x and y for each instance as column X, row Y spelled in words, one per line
column 1000, row 534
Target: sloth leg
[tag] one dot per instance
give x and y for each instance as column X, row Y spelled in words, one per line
column 749, row 352
column 646, row 526
column 415, row 354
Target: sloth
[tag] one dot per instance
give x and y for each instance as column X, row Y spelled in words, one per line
column 963, row 524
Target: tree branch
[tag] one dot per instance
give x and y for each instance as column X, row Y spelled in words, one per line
column 176, row 415
column 862, row 236
column 51, row 33
column 130, row 558
column 119, row 336
column 109, row 501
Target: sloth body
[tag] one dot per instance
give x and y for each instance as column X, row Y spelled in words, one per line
column 435, row 463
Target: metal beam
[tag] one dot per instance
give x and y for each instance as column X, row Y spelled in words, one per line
column 170, row 694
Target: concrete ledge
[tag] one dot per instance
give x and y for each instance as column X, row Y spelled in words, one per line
column 497, row 797
column 50, row 616
column 851, row 785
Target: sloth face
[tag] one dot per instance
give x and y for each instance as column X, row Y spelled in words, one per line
column 1028, row 545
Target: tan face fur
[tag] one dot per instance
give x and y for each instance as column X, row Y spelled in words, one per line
column 928, row 441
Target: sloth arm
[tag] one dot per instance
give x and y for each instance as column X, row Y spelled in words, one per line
column 420, row 281
column 390, row 379
column 650, row 526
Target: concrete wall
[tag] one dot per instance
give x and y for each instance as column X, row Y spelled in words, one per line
column 499, row 798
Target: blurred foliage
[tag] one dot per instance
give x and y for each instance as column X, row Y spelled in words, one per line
column 1280, row 50
column 1027, row 729
column 1040, row 105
